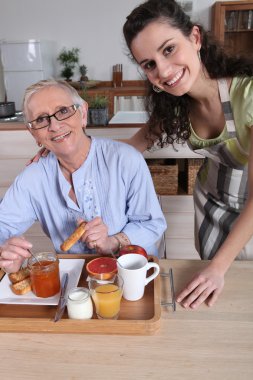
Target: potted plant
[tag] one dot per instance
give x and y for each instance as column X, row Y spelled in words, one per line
column 98, row 110
column 83, row 71
column 69, row 59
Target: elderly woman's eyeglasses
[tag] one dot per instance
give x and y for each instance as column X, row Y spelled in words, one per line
column 44, row 121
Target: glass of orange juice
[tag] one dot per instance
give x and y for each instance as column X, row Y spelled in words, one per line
column 107, row 296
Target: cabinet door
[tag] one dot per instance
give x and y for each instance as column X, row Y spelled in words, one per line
column 128, row 103
column 17, row 81
column 21, row 56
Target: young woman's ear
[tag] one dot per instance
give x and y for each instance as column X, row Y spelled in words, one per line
column 195, row 37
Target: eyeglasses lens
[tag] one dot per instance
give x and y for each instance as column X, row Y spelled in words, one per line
column 62, row 114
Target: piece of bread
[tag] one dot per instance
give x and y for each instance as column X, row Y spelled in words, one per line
column 70, row 241
column 22, row 287
column 19, row 276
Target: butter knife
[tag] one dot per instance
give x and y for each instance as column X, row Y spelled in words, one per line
column 62, row 300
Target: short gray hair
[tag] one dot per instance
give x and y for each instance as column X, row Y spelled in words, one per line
column 36, row 87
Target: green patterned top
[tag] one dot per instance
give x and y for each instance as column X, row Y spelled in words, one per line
column 241, row 98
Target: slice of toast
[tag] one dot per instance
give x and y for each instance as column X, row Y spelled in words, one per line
column 22, row 287
column 19, row 276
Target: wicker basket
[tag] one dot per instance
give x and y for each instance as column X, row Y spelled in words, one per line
column 165, row 176
column 192, row 168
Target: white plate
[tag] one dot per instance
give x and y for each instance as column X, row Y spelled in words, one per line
column 71, row 266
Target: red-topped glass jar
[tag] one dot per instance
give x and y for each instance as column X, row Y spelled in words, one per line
column 45, row 274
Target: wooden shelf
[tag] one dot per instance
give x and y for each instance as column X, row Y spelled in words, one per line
column 238, row 31
column 129, row 88
column 232, row 25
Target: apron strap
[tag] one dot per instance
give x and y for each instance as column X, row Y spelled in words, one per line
column 210, row 152
column 225, row 101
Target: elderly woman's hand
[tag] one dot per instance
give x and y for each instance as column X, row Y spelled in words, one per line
column 13, row 252
column 206, row 286
column 96, row 237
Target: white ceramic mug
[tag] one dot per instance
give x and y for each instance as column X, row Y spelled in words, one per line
column 133, row 269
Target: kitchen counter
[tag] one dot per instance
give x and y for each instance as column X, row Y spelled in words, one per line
column 19, row 126
column 209, row 343
column 12, row 126
column 113, row 131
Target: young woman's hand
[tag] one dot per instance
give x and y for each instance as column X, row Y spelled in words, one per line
column 204, row 287
column 13, row 252
column 43, row 152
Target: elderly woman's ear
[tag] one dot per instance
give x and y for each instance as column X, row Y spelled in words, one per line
column 84, row 113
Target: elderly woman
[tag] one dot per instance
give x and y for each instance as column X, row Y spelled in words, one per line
column 103, row 182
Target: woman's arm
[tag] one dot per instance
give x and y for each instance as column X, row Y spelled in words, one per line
column 207, row 285
column 137, row 209
column 146, row 222
column 139, row 140
column 43, row 152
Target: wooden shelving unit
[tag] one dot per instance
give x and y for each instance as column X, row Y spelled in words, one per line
column 128, row 88
column 232, row 25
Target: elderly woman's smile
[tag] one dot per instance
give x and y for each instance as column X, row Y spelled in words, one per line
column 61, row 137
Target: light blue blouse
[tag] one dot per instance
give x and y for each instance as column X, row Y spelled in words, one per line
column 114, row 183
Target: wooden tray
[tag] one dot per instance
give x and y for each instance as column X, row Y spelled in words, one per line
column 136, row 318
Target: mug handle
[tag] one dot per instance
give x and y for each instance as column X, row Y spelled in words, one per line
column 154, row 275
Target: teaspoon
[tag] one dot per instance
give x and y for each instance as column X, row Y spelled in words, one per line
column 34, row 256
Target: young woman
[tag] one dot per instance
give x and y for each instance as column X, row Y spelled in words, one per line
column 199, row 94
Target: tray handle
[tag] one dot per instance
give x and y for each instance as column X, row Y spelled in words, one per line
column 172, row 290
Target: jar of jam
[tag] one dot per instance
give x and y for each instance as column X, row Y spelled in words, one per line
column 45, row 274
column 79, row 304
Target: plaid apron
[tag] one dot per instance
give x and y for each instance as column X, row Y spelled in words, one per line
column 221, row 188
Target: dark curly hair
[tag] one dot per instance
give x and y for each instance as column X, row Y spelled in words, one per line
column 169, row 115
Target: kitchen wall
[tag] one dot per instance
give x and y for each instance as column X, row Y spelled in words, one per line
column 93, row 26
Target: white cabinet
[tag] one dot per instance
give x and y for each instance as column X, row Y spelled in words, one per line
column 179, row 236
column 128, row 103
column 17, row 81
column 21, row 56
column 24, row 63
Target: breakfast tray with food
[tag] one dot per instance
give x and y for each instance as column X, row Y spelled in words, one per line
column 136, row 318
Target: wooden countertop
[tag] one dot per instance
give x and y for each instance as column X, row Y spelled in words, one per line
column 129, row 87
column 12, row 126
column 209, row 343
